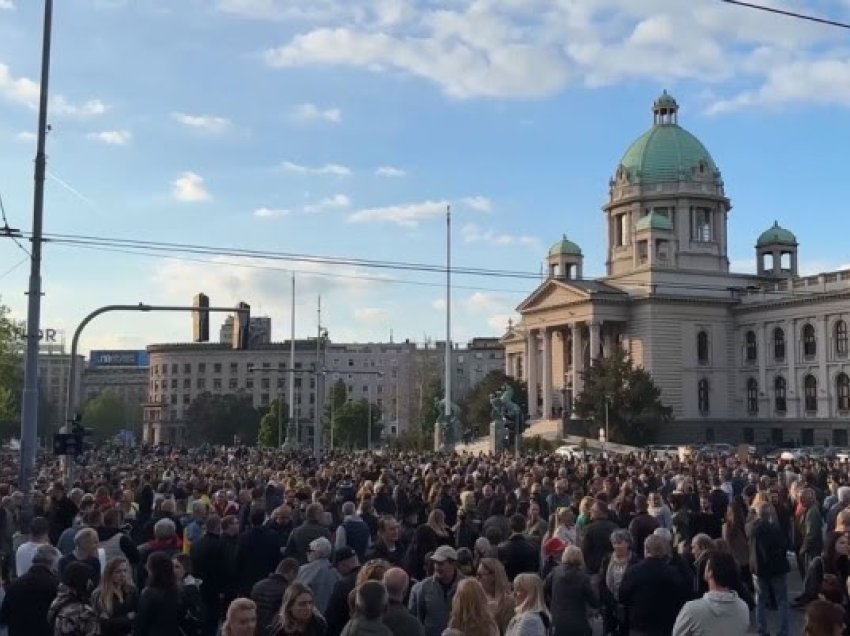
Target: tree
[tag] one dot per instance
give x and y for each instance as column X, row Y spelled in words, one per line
column 475, row 406
column 218, row 419
column 11, row 367
column 336, row 400
column 351, row 424
column 432, row 392
column 635, row 411
column 273, row 424
column 105, row 415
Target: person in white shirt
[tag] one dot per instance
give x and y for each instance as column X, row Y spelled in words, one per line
column 26, row 551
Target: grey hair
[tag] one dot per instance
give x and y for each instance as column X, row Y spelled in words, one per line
column 85, row 532
column 348, row 508
column 844, row 494
column 164, row 529
column 664, row 533
column 47, row 555
column 321, row 547
column 621, row 535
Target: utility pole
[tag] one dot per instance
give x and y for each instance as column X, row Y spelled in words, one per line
column 317, row 422
column 292, row 427
column 29, row 407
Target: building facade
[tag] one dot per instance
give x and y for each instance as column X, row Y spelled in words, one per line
column 123, row 372
column 54, row 369
column 739, row 357
column 393, row 376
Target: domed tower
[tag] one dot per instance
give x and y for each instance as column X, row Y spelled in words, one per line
column 667, row 208
column 776, row 251
column 565, row 260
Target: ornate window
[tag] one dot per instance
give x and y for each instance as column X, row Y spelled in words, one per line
column 752, row 396
column 841, row 340
column 702, row 347
column 778, row 344
column 842, row 391
column 702, row 397
column 779, row 389
column 810, row 393
column 701, row 225
column 810, row 343
column 750, row 347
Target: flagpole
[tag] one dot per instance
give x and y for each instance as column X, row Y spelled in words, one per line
column 448, row 380
column 291, row 427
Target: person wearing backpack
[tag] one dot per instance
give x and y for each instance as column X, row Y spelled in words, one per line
column 769, row 565
column 71, row 613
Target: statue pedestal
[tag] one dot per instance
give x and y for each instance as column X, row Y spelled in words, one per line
column 441, row 444
column 496, row 438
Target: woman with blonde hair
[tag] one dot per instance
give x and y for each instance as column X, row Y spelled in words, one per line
column 437, row 523
column 241, row 619
column 298, row 614
column 500, row 601
column 115, row 599
column 470, row 613
column 531, row 618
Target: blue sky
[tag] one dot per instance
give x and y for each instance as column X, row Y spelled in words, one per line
column 344, row 127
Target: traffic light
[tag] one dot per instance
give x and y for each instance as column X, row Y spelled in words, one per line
column 73, row 442
column 201, row 318
column 241, row 326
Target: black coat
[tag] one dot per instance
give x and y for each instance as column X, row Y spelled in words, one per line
column 159, row 613
column 268, row 595
column 569, row 595
column 653, row 592
column 596, row 544
column 337, row 613
column 300, row 539
column 212, row 563
column 257, row 554
column 519, row 555
column 117, row 622
column 27, row 600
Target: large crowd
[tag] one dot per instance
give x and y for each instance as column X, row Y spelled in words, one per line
column 244, row 542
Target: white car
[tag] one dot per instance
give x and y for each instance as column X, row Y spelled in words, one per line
column 574, row 451
column 663, row 451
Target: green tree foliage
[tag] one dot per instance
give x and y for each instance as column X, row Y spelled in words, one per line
column 635, row 410
column 11, row 367
column 105, row 415
column 351, row 425
column 475, row 406
column 337, row 397
column 216, row 419
column 267, row 436
column 432, row 391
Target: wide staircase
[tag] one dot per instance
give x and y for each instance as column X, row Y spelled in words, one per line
column 547, row 429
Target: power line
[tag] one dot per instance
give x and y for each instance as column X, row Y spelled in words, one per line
column 789, row 14
column 14, row 267
column 11, row 232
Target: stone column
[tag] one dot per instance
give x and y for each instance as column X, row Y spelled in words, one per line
column 823, row 377
column 546, row 379
column 531, row 371
column 577, row 361
column 791, row 344
column 509, row 364
column 762, row 362
column 595, row 328
column 607, row 341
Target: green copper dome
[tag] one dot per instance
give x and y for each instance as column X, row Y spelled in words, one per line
column 667, row 152
column 565, row 246
column 776, row 235
column 654, row 221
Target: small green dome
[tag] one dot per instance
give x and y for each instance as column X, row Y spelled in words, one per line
column 565, row 246
column 667, row 152
column 654, row 221
column 776, row 235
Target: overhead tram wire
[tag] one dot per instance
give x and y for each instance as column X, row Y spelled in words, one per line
column 789, row 14
column 165, row 249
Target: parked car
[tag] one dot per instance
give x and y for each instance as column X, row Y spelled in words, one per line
column 574, row 451
column 663, row 451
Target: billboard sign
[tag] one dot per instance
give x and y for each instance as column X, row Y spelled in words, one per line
column 118, row 358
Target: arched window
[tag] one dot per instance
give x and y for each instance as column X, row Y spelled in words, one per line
column 842, row 390
column 810, row 343
column 779, row 401
column 750, row 346
column 810, row 393
column 752, row 396
column 702, row 396
column 841, row 340
column 778, row 344
column 702, row 347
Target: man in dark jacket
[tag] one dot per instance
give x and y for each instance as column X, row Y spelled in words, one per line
column 387, row 547
column 642, row 525
column 652, row 592
column 338, row 612
column 518, row 554
column 61, row 512
column 353, row 531
column 212, row 564
column 257, row 551
column 398, row 618
column 268, row 593
column 596, row 544
column 769, row 565
column 24, row 610
column 306, row 533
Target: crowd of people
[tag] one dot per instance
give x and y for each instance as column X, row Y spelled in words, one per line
column 244, row 542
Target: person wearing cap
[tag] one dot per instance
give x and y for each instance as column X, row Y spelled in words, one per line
column 432, row 605
column 338, row 611
column 318, row 573
column 552, row 551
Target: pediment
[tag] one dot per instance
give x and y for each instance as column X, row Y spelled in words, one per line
column 552, row 294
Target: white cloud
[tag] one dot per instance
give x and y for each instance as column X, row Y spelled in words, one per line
column 389, row 171
column 372, row 315
column 270, row 213
column 335, row 202
column 404, row 215
column 21, row 90
column 7, row 4
column 112, row 137
column 479, row 203
column 189, row 187
column 93, row 107
column 207, row 123
column 499, row 322
column 472, row 233
column 308, row 113
column 26, row 136
column 329, row 168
